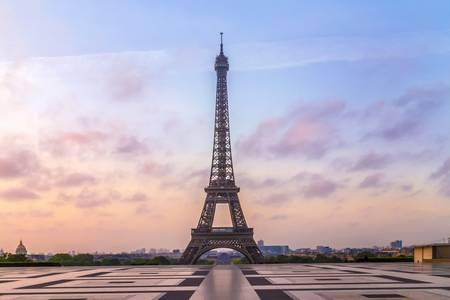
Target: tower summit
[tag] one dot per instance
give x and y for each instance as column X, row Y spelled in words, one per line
column 222, row 187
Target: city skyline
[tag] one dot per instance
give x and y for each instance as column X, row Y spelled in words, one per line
column 340, row 133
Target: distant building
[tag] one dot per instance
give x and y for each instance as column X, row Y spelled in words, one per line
column 432, row 253
column 21, row 250
column 325, row 250
column 273, row 249
column 398, row 244
column 260, row 244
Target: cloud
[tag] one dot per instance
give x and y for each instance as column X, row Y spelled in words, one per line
column 189, row 179
column 18, row 194
column 371, row 161
column 373, row 181
column 18, row 163
column 65, row 142
column 153, row 168
column 325, row 49
column 275, row 199
column 76, row 179
column 148, row 212
column 137, row 197
column 278, row 217
column 443, row 171
column 142, row 209
column 319, row 187
column 307, row 130
column 131, row 145
column 126, row 81
column 407, row 115
column 86, row 199
column 442, row 174
column 249, row 182
column 314, row 185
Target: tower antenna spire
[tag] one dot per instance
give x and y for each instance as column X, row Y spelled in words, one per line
column 221, row 43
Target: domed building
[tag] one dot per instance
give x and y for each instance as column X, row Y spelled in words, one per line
column 21, row 250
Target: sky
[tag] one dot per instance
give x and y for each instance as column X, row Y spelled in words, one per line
column 339, row 117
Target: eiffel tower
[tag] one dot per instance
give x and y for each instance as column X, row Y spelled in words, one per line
column 221, row 188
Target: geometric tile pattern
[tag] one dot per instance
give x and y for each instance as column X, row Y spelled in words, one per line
column 153, row 282
column 266, row 282
column 350, row 281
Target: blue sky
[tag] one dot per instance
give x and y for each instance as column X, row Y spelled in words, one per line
column 339, row 117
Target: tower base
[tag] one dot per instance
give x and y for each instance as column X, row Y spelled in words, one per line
column 202, row 242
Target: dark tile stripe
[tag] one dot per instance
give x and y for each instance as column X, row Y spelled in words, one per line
column 354, row 272
column 5, row 281
column 92, row 292
column 258, row 281
column 383, row 296
column 45, row 284
column 249, row 272
column 400, row 279
column 177, row 295
column 201, row 273
column 69, row 299
column 95, row 274
column 273, row 295
column 191, row 282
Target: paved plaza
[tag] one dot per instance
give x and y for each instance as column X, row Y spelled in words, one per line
column 266, row 282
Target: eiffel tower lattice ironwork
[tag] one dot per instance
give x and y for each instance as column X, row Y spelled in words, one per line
column 222, row 188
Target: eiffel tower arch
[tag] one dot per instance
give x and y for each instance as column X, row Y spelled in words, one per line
column 221, row 188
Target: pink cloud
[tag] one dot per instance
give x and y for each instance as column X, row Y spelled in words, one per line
column 319, row 187
column 249, row 182
column 275, row 199
column 18, row 164
column 142, row 209
column 313, row 185
column 126, row 81
column 254, row 144
column 63, row 142
column 18, row 194
column 82, row 138
column 89, row 199
column 278, row 217
column 131, row 145
column 311, row 140
column 76, row 179
column 373, row 181
column 152, row 168
column 137, row 197
column 307, row 130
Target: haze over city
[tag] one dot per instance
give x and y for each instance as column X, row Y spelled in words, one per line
column 339, row 121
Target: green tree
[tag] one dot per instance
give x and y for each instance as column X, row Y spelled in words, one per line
column 63, row 259
column 83, row 259
column 109, row 261
column 161, row 260
column 16, row 258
